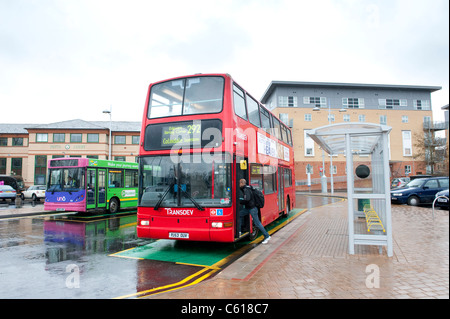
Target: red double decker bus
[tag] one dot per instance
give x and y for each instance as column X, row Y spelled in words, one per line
column 200, row 135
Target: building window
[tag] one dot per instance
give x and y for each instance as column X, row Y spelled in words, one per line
column 404, row 118
column 3, row 141
column 92, row 156
column 59, row 138
column 75, row 138
column 284, row 117
column 331, row 118
column 407, row 169
column 135, row 139
column 334, row 168
column 120, row 158
column 40, row 169
column 17, row 141
column 308, row 117
column 3, row 165
column 120, row 139
column 92, row 138
column 407, row 147
column 390, row 103
column 309, row 144
column 287, row 101
column 361, row 118
column 315, row 101
column 383, row 119
column 353, row 102
column 346, row 118
column 422, row 104
column 16, row 166
column 42, row 137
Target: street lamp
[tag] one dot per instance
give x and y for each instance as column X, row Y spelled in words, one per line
column 316, row 108
column 110, row 123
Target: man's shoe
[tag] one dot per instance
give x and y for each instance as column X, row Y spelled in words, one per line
column 266, row 240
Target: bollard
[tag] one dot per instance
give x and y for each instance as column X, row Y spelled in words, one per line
column 18, row 201
column 323, row 181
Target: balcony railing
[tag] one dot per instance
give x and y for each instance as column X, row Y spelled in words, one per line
column 435, row 126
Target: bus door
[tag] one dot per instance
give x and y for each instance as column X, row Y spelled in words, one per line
column 280, row 189
column 241, row 172
column 91, row 194
column 101, row 199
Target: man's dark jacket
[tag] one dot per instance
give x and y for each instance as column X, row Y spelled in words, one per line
column 247, row 199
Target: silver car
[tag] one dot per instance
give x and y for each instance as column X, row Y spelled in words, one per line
column 399, row 182
column 7, row 192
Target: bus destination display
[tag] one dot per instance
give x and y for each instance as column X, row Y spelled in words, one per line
column 181, row 134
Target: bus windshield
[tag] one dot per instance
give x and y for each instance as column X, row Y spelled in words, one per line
column 202, row 181
column 66, row 179
column 196, row 95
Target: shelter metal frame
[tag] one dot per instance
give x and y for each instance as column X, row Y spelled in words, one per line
column 363, row 139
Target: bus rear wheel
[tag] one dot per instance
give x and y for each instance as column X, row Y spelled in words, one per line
column 114, row 205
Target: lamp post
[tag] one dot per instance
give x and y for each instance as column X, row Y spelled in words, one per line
column 331, row 155
column 110, row 123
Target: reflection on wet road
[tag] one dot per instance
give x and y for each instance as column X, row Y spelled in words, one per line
column 70, row 256
column 45, row 257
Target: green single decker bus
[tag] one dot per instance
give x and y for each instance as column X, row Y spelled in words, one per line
column 82, row 184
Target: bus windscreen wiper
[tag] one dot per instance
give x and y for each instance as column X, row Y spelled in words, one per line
column 164, row 195
column 200, row 207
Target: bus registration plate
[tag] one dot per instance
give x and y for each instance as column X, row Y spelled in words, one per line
column 179, row 235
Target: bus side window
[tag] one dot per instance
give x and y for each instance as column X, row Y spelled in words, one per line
column 239, row 102
column 277, row 128
column 131, row 178
column 270, row 179
column 265, row 119
column 256, row 177
column 253, row 111
column 115, row 178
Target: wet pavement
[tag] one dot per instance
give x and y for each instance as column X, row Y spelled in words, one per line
column 308, row 259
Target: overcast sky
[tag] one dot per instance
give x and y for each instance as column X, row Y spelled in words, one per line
column 69, row 59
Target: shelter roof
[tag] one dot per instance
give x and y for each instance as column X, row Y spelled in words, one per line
column 363, row 136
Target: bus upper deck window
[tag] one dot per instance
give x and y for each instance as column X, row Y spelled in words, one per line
column 197, row 95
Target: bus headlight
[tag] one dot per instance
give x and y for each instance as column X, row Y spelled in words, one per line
column 145, row 222
column 221, row 224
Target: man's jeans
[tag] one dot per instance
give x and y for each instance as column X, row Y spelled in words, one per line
column 254, row 212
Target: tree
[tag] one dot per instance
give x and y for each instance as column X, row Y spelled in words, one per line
column 431, row 150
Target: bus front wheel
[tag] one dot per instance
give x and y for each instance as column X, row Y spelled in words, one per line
column 114, row 205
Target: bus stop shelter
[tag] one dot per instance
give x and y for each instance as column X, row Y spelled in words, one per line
column 364, row 145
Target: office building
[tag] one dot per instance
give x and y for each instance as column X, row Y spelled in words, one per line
column 26, row 148
column 306, row 105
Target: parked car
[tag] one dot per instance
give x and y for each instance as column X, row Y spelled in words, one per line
column 399, row 182
column 419, row 191
column 441, row 201
column 14, row 181
column 34, row 192
column 412, row 177
column 7, row 192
